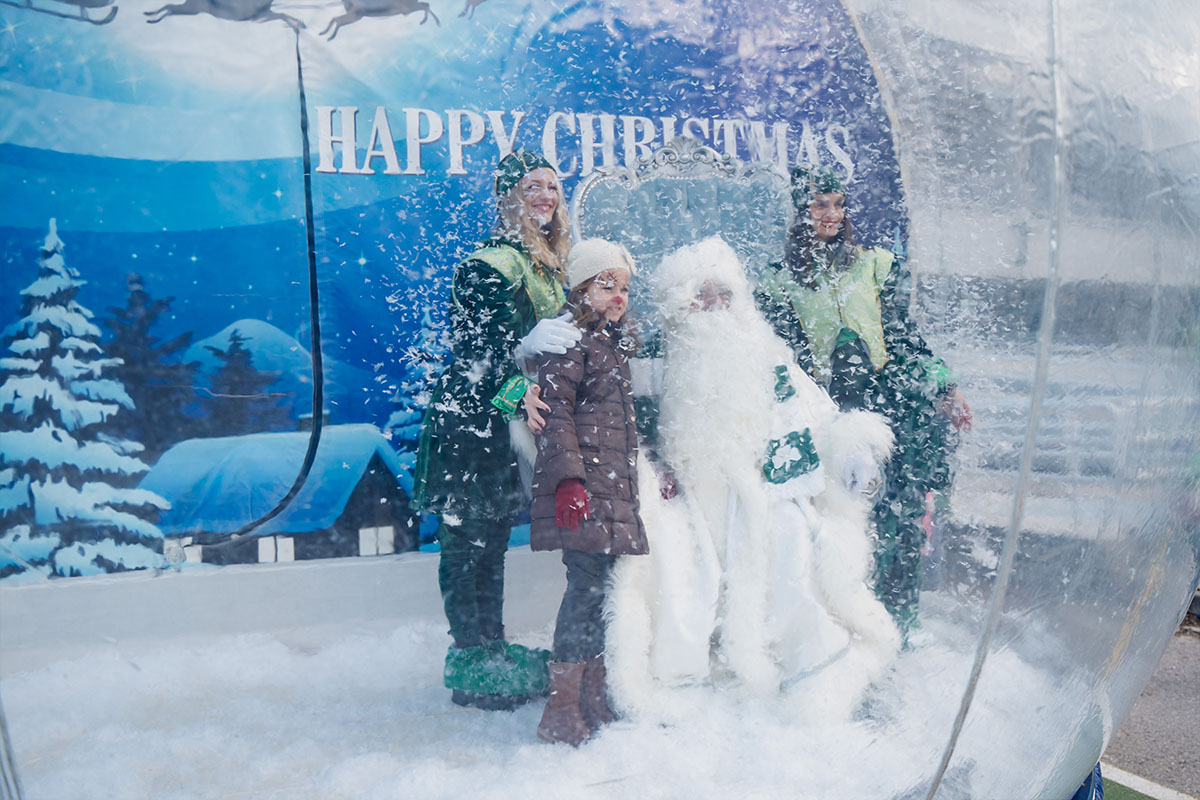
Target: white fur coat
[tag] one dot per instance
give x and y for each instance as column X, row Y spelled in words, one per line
column 750, row 586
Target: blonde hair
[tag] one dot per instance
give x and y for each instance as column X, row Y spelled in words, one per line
column 548, row 247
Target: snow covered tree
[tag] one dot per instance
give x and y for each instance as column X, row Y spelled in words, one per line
column 423, row 364
column 68, row 498
column 161, row 387
column 241, row 403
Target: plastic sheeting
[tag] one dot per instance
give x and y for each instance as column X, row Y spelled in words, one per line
column 1037, row 161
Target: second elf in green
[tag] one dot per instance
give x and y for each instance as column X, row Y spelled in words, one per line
column 843, row 310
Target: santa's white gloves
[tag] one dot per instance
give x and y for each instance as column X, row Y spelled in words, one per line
column 551, row 335
column 860, row 473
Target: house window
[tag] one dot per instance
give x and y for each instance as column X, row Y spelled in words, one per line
column 276, row 548
column 180, row 549
column 376, row 541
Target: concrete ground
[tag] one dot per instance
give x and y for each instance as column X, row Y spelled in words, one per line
column 1160, row 740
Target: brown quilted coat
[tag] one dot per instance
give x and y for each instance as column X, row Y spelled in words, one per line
column 590, row 435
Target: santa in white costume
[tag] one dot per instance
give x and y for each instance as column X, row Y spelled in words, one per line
column 756, row 579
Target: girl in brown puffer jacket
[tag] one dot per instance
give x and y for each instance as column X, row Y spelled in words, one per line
column 585, row 498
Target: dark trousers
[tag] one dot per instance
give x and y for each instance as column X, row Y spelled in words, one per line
column 897, row 516
column 579, row 631
column 471, row 577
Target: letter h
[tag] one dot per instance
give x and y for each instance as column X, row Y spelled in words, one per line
column 347, row 139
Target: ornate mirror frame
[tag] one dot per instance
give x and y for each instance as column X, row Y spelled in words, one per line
column 677, row 195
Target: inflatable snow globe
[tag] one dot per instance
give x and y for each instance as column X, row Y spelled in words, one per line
column 229, row 237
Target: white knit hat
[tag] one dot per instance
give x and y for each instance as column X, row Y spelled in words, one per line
column 589, row 257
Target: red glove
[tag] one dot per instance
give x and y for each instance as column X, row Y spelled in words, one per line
column 667, row 486
column 571, row 504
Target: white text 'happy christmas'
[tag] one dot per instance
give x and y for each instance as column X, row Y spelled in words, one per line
column 575, row 142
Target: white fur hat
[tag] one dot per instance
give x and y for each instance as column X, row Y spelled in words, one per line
column 589, row 257
column 682, row 272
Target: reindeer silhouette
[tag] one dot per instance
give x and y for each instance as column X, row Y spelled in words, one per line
column 469, row 9
column 235, row 10
column 357, row 9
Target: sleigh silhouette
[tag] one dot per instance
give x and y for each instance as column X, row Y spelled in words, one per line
column 80, row 9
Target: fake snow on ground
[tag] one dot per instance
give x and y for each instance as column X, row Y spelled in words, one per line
column 363, row 715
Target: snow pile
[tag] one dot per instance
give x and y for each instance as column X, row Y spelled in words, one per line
column 364, row 716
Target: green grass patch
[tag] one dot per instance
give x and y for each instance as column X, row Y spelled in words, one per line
column 1115, row 791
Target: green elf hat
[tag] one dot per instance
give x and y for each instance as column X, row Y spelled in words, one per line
column 517, row 165
column 810, row 180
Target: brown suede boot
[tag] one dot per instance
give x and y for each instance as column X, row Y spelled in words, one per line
column 594, row 693
column 562, row 721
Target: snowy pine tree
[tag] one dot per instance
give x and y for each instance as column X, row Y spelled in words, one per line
column 423, row 364
column 241, row 403
column 68, row 498
column 160, row 386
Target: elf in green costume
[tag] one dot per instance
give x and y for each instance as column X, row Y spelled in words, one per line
column 844, row 311
column 506, row 296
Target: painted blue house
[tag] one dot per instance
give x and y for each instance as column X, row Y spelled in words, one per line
column 354, row 502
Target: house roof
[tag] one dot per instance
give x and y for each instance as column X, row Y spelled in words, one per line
column 218, row 485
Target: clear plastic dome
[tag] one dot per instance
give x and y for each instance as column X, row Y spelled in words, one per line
column 1046, row 166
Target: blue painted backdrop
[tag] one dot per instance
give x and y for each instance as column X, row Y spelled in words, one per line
column 168, row 148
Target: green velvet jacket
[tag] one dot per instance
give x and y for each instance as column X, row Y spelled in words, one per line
column 466, row 467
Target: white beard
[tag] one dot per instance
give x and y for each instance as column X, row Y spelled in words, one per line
column 715, row 420
column 715, row 412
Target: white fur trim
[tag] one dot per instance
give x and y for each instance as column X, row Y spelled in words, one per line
column 646, row 376
column 682, row 272
column 520, row 438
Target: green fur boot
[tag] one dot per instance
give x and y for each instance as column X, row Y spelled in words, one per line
column 518, row 669
column 463, row 667
column 531, row 663
column 489, row 678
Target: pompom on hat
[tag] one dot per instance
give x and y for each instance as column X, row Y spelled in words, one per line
column 589, row 257
column 517, row 165
column 810, row 180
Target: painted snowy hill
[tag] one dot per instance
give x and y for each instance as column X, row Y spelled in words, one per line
column 271, row 350
column 274, row 352
column 252, row 378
